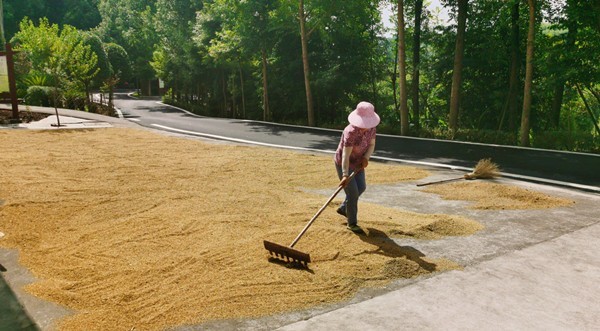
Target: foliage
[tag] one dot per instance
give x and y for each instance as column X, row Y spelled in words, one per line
column 130, row 24
column 37, row 79
column 103, row 64
column 118, row 60
column 81, row 14
column 225, row 57
column 36, row 41
column 60, row 55
column 39, row 96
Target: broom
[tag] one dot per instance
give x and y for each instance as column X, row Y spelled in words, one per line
column 485, row 169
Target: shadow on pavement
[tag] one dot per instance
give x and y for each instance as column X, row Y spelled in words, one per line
column 387, row 247
column 12, row 315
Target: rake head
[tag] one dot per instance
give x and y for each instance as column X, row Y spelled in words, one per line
column 287, row 254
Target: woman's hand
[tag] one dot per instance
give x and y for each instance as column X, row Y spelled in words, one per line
column 364, row 163
column 344, row 181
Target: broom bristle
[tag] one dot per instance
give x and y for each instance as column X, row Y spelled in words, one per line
column 485, row 169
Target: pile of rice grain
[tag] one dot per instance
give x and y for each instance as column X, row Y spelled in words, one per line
column 494, row 196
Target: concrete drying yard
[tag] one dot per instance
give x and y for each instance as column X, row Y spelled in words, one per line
column 108, row 227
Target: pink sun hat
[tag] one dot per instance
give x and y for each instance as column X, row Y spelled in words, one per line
column 364, row 116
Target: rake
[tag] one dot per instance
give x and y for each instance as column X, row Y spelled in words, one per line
column 288, row 253
column 485, row 169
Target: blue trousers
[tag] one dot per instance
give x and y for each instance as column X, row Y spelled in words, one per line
column 353, row 190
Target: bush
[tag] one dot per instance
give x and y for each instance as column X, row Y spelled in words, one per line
column 75, row 100
column 40, row 96
column 567, row 140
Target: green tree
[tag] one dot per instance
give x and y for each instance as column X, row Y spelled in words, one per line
column 218, row 44
column 97, row 47
column 119, row 68
column 82, row 14
column 130, row 23
column 16, row 10
column 249, row 32
column 176, row 55
column 37, row 41
column 347, row 57
column 59, row 53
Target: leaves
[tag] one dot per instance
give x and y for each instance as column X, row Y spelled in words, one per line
column 210, row 54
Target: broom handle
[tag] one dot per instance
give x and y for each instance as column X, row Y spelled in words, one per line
column 323, row 208
column 441, row 181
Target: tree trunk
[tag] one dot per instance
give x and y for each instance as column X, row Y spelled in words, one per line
column 402, row 70
column 373, row 76
column 234, row 104
column 559, row 88
column 458, row 64
column 587, row 107
column 394, row 78
column 557, row 100
column 243, row 94
column 266, row 110
column 224, row 90
column 510, row 108
column 304, row 39
column 595, row 94
column 88, row 94
column 416, row 62
column 525, row 125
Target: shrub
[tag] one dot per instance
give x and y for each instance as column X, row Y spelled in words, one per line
column 40, row 96
column 567, row 140
column 75, row 100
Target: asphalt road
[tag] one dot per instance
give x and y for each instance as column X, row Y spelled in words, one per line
column 578, row 170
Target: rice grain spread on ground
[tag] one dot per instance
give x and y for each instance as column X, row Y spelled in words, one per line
column 141, row 230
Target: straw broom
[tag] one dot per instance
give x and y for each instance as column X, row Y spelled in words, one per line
column 485, row 169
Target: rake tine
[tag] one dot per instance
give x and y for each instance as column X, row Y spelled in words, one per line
column 287, row 254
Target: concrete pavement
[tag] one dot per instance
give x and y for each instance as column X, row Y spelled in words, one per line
column 549, row 286
column 69, row 119
column 528, row 270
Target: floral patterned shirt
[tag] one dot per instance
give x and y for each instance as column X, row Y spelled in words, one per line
column 359, row 140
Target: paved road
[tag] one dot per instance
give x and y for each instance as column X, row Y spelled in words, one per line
column 563, row 168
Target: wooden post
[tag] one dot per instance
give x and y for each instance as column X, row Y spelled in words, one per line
column 12, row 85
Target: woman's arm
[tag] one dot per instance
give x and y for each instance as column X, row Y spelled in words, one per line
column 370, row 149
column 365, row 161
column 346, row 160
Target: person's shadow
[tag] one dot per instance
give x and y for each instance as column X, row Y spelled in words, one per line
column 387, row 247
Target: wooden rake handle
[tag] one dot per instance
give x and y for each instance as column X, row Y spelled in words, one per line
column 323, row 208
